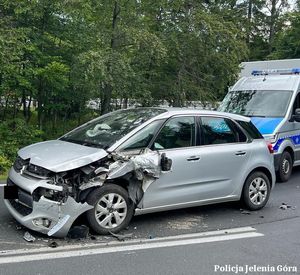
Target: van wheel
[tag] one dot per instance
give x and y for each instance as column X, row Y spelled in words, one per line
column 285, row 167
column 256, row 191
column 112, row 210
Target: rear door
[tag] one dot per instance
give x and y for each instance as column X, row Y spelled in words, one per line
column 224, row 157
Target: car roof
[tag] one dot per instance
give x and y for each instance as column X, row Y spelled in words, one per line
column 268, row 82
column 173, row 111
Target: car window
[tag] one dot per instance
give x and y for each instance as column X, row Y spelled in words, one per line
column 141, row 139
column 177, row 132
column 217, row 130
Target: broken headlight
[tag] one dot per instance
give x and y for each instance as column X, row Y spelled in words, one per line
column 37, row 170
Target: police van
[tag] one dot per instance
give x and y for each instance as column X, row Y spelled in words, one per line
column 268, row 93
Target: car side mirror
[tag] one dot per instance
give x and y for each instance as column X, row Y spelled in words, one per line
column 165, row 162
column 296, row 115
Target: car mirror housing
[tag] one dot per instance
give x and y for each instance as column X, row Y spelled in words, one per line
column 165, row 162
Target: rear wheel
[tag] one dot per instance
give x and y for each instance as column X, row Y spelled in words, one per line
column 285, row 167
column 256, row 191
column 112, row 210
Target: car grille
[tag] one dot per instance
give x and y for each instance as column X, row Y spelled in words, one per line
column 23, row 205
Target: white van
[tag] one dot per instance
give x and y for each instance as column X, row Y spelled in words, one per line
column 270, row 96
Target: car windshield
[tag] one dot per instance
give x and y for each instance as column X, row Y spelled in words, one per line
column 107, row 129
column 256, row 103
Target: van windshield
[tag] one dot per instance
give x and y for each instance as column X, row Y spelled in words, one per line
column 256, row 103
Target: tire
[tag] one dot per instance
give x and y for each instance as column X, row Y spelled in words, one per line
column 285, row 167
column 256, row 191
column 113, row 210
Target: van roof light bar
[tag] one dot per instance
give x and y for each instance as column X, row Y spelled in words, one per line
column 276, row 71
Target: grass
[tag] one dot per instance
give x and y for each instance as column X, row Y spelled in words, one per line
column 3, row 177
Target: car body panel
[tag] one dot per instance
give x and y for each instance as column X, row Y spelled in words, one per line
column 58, row 155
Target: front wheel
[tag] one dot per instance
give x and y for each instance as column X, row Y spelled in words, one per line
column 285, row 167
column 256, row 191
column 112, row 210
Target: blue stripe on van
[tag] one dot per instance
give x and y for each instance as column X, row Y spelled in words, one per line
column 266, row 125
column 294, row 139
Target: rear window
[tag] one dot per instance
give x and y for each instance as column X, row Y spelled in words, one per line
column 250, row 129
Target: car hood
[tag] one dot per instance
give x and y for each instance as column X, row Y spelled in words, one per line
column 58, row 155
column 266, row 125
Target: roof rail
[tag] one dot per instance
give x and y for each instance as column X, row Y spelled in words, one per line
column 276, row 71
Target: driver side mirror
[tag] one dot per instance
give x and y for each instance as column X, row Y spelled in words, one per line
column 296, row 115
column 165, row 162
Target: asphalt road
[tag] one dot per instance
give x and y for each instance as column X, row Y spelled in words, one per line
column 278, row 244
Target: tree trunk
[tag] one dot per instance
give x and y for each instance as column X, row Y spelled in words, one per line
column 107, row 91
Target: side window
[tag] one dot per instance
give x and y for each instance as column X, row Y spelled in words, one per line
column 217, row 130
column 296, row 102
column 142, row 138
column 177, row 132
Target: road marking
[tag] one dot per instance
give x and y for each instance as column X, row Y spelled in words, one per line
column 2, row 184
column 17, row 256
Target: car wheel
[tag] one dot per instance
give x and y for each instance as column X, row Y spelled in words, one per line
column 256, row 191
column 112, row 210
column 285, row 167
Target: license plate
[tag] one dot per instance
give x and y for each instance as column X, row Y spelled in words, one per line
column 10, row 192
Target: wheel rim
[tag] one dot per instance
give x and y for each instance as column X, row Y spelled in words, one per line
column 111, row 210
column 285, row 166
column 258, row 191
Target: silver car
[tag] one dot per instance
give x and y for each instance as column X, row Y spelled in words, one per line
column 139, row 161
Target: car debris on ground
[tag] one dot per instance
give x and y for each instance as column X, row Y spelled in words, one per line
column 28, row 237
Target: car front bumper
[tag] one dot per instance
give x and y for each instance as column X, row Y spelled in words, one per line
column 59, row 216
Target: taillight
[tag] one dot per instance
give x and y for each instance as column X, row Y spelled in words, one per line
column 270, row 147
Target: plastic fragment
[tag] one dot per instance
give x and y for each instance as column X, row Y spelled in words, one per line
column 28, row 237
column 121, row 237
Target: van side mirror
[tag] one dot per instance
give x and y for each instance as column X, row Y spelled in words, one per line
column 296, row 115
column 165, row 162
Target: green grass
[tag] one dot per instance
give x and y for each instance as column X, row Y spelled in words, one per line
column 3, row 177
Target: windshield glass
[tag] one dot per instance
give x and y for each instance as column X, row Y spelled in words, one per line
column 257, row 103
column 106, row 130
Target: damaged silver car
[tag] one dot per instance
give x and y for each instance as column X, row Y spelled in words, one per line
column 138, row 161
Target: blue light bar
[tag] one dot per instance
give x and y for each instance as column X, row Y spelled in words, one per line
column 276, row 71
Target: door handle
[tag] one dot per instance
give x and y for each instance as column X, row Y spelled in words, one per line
column 193, row 158
column 240, row 153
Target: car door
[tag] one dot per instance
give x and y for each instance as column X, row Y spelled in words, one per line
column 207, row 171
column 224, row 155
column 177, row 139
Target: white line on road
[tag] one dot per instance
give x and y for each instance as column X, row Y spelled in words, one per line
column 2, row 184
column 112, row 247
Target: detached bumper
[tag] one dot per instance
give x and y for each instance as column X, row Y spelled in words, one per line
column 59, row 216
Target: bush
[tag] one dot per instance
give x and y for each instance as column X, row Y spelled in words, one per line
column 15, row 134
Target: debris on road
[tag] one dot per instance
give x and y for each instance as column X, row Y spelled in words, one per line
column 19, row 227
column 245, row 212
column 284, row 206
column 28, row 237
column 121, row 237
column 53, row 244
column 78, row 232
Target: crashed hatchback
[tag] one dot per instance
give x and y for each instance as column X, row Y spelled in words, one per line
column 138, row 161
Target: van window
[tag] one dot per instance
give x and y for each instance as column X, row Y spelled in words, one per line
column 296, row 102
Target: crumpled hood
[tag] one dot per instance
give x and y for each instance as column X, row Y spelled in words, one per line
column 266, row 125
column 58, row 155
